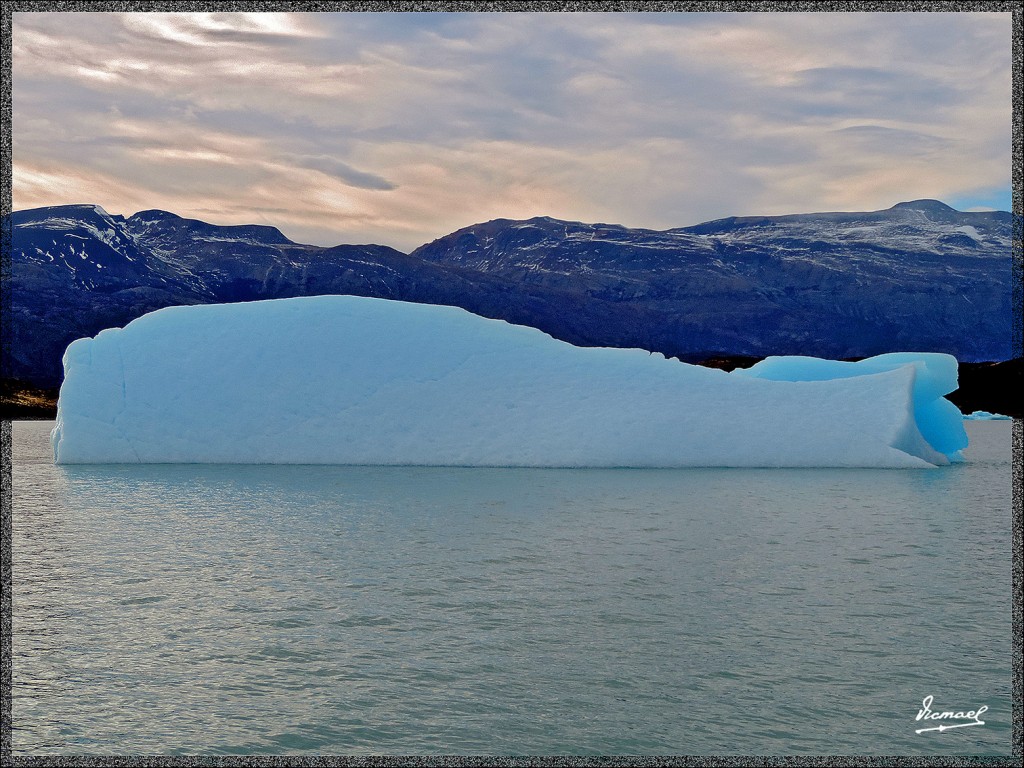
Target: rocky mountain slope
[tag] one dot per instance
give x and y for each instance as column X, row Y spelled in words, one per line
column 77, row 269
column 919, row 276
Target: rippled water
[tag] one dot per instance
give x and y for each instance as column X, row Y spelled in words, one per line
column 355, row 610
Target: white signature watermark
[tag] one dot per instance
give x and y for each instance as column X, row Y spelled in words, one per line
column 973, row 716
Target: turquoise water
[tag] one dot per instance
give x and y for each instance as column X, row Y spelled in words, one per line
column 364, row 610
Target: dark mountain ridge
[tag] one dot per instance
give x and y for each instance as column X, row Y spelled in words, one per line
column 919, row 276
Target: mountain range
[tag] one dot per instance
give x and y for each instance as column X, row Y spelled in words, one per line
column 919, row 276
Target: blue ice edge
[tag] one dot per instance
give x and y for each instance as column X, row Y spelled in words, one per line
column 935, row 375
column 354, row 380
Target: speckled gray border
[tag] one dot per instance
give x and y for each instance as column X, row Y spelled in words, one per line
column 622, row 5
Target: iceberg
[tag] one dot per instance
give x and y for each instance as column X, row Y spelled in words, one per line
column 985, row 416
column 353, row 380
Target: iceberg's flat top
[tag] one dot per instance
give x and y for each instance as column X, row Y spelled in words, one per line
column 351, row 380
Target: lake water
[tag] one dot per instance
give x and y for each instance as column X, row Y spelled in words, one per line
column 364, row 610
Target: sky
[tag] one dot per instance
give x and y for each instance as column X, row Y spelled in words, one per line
column 398, row 128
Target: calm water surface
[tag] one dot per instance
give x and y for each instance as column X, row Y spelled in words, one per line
column 365, row 610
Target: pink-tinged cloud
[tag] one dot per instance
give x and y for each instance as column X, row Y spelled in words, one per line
column 398, row 128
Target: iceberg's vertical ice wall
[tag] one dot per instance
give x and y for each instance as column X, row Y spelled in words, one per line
column 350, row 380
column 938, row 420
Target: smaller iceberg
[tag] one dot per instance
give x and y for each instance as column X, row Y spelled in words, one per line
column 352, row 380
column 985, row 416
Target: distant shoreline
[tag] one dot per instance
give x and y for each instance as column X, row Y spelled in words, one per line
column 989, row 386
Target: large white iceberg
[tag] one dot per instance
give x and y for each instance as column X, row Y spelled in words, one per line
column 350, row 380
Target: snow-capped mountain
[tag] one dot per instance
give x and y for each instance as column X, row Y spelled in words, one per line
column 919, row 276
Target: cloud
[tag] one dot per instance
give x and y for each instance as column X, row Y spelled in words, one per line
column 346, row 173
column 216, row 29
column 397, row 128
column 879, row 140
